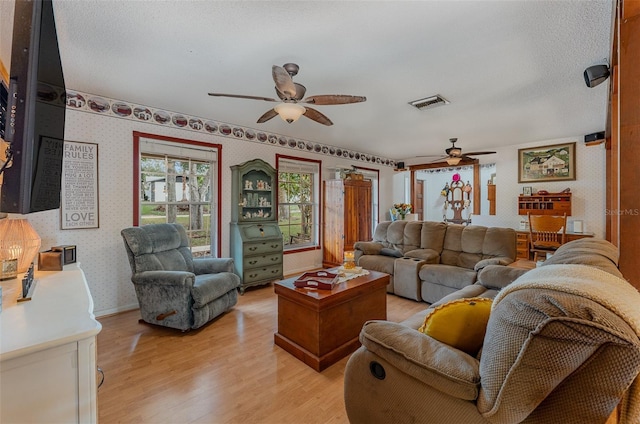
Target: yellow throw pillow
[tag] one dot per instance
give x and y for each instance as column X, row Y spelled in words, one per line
column 460, row 323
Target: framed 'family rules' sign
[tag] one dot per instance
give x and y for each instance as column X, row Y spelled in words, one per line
column 79, row 194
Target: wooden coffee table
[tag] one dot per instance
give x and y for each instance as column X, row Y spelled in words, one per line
column 320, row 327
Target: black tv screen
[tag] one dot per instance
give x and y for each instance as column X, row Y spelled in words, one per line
column 35, row 116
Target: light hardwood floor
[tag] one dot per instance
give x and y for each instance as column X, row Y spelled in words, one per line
column 230, row 371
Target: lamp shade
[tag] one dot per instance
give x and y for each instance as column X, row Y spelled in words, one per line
column 453, row 161
column 290, row 112
column 18, row 240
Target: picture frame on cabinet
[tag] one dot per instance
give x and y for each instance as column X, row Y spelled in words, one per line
column 555, row 162
column 526, row 191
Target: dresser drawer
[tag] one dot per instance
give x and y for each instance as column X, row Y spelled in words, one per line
column 264, row 273
column 262, row 247
column 261, row 261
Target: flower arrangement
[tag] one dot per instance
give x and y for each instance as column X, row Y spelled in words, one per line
column 402, row 209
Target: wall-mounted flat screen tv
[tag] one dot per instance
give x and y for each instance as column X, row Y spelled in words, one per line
column 35, row 113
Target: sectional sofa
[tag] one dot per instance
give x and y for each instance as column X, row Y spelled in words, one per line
column 561, row 346
column 429, row 260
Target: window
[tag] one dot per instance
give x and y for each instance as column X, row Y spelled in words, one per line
column 178, row 183
column 298, row 201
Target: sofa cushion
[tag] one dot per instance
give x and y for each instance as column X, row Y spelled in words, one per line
column 377, row 263
column 388, row 251
column 498, row 276
column 447, row 275
column 468, row 260
column 209, row 287
column 368, row 247
column 380, row 233
column 472, row 239
column 460, row 323
column 412, row 235
column 395, row 233
column 432, row 235
column 499, row 242
column 452, row 245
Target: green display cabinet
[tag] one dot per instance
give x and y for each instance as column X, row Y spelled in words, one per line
column 256, row 239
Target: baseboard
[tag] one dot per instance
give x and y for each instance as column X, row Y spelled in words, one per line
column 115, row 311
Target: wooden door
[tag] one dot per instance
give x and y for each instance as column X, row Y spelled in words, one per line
column 357, row 212
column 418, row 198
column 333, row 228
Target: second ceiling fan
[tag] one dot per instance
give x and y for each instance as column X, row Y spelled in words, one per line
column 291, row 94
column 454, row 155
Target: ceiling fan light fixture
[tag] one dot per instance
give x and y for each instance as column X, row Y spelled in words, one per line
column 453, row 161
column 290, row 112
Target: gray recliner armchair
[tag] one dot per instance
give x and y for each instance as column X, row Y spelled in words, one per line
column 173, row 288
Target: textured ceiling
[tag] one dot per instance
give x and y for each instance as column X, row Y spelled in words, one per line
column 512, row 70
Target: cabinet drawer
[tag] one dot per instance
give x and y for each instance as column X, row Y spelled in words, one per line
column 264, row 273
column 266, row 246
column 260, row 231
column 261, row 261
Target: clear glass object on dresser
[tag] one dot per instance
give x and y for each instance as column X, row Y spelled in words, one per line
column 256, row 240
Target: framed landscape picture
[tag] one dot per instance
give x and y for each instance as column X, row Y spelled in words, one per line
column 547, row 163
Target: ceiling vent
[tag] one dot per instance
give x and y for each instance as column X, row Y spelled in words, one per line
column 429, row 102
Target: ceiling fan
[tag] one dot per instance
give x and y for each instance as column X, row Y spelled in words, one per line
column 291, row 93
column 454, row 155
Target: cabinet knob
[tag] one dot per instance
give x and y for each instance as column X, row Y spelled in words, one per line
column 252, row 248
column 274, row 259
column 253, row 275
column 252, row 262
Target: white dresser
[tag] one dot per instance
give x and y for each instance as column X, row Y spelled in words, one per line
column 48, row 350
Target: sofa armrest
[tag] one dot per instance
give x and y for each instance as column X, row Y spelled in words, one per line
column 436, row 364
column 368, row 247
column 500, row 260
column 498, row 276
column 210, row 265
column 166, row 278
column 429, row 255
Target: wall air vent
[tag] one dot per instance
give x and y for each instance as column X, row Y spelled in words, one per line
column 429, row 102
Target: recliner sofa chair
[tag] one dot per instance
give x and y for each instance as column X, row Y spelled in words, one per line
column 428, row 260
column 173, row 288
column 562, row 345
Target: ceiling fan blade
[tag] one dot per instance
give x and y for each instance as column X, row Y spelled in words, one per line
column 283, row 81
column 300, row 90
column 317, row 116
column 478, row 153
column 438, row 157
column 267, row 115
column 334, row 99
column 240, row 96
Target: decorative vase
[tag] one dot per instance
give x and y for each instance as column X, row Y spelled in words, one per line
column 402, row 216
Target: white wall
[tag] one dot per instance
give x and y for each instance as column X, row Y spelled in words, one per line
column 101, row 251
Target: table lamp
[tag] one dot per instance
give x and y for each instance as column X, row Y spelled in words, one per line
column 349, row 260
column 18, row 242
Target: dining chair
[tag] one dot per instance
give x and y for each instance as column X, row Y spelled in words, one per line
column 546, row 233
